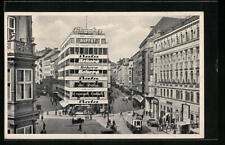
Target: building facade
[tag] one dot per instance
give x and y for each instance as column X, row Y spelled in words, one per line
column 83, row 70
column 176, row 72
column 22, row 115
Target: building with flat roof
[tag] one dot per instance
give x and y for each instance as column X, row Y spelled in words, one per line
column 83, row 71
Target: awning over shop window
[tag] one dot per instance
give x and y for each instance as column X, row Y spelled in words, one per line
column 63, row 103
column 138, row 98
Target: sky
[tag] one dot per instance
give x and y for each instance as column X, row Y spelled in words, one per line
column 124, row 32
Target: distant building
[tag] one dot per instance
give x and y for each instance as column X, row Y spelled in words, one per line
column 45, row 64
column 137, row 72
column 21, row 59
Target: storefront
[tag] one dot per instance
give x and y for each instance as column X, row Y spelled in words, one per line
column 85, row 106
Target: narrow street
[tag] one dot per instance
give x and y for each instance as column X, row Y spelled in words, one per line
column 120, row 103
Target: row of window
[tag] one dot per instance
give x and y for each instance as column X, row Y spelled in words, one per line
column 179, row 94
column 78, row 71
column 84, row 51
column 178, row 38
column 185, row 55
column 73, row 61
column 90, row 40
column 182, row 78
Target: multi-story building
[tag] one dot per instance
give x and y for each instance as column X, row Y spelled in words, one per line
column 137, row 72
column 124, row 73
column 176, row 72
column 146, row 49
column 21, row 61
column 39, row 76
column 45, row 65
column 83, row 70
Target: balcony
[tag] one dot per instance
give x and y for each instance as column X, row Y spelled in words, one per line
column 20, row 47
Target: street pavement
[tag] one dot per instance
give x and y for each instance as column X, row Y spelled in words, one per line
column 120, row 104
column 65, row 126
column 62, row 124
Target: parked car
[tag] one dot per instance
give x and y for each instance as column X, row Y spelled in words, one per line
column 78, row 120
column 152, row 122
column 107, row 131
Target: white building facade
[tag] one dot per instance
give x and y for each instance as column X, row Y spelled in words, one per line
column 83, row 70
column 176, row 73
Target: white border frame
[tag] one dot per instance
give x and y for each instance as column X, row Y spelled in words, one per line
column 113, row 136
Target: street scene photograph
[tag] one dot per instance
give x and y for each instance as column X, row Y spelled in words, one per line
column 124, row 73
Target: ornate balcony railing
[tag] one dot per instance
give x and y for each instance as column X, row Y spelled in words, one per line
column 20, row 47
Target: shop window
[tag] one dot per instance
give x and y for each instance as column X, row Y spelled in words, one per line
column 24, row 84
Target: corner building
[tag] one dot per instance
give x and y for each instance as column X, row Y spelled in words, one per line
column 22, row 115
column 176, row 72
column 83, row 70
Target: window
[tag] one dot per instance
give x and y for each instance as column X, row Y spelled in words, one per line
column 171, row 93
column 81, row 50
column 104, row 71
column 104, row 60
column 197, row 98
column 25, row 130
column 72, row 60
column 71, row 40
column 95, row 50
column 90, row 50
column 71, row 50
column 100, row 51
column 11, row 28
column 104, row 51
column 100, row 60
column 24, row 84
column 77, row 50
column 86, row 50
column 187, row 96
column 76, row 60
column 9, row 85
column 192, row 97
column 103, row 41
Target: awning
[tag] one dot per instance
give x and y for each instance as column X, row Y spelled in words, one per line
column 138, row 98
column 63, row 103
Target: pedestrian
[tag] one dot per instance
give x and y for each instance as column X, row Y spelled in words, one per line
column 42, row 117
column 44, row 125
column 80, row 127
